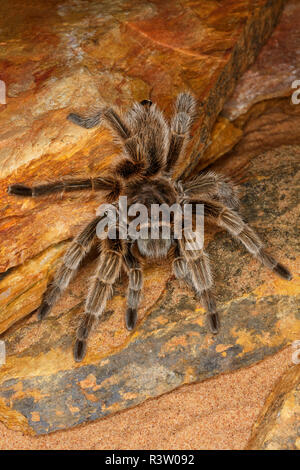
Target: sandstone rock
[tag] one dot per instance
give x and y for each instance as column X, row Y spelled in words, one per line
column 266, row 122
column 21, row 289
column 267, row 125
column 276, row 68
column 278, row 426
column 43, row 390
column 271, row 124
column 223, row 138
column 72, row 56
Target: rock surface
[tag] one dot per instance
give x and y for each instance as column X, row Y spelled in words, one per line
column 21, row 289
column 42, row 389
column 211, row 415
column 257, row 110
column 74, row 55
column 276, row 68
column 86, row 55
column 225, row 135
column 267, row 125
column 278, row 427
column 67, row 53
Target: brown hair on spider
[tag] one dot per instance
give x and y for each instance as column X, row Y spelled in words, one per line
column 151, row 149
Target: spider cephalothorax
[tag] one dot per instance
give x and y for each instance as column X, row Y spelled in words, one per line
column 151, row 149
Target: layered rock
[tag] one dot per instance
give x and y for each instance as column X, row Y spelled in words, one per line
column 43, row 390
column 278, row 426
column 109, row 54
column 263, row 107
column 276, row 69
column 72, row 56
column 267, row 125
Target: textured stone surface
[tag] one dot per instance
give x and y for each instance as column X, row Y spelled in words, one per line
column 223, row 138
column 86, row 55
column 278, row 426
column 21, row 289
column 214, row 414
column 256, row 111
column 43, row 390
column 276, row 68
column 271, row 124
column 267, row 125
column 69, row 52
column 71, row 55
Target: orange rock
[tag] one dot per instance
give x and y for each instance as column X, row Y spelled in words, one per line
column 69, row 58
column 21, row 289
column 223, row 138
column 276, row 68
column 277, row 427
column 121, row 368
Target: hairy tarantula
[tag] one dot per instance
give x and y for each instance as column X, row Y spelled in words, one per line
column 151, row 149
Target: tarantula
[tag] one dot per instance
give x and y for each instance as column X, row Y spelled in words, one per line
column 151, row 149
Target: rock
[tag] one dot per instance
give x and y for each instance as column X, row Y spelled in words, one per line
column 33, row 275
column 277, row 427
column 267, row 125
column 216, row 414
column 86, row 55
column 223, row 138
column 76, row 56
column 276, row 68
column 271, row 124
column 42, row 389
column 256, row 109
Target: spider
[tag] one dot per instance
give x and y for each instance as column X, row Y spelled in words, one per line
column 151, row 149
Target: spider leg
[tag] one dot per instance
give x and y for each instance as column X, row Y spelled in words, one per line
column 211, row 184
column 149, row 143
column 180, row 126
column 107, row 114
column 232, row 222
column 98, row 184
column 128, row 166
column 194, row 269
column 101, row 290
column 72, row 258
column 88, row 122
column 135, row 275
column 115, row 122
